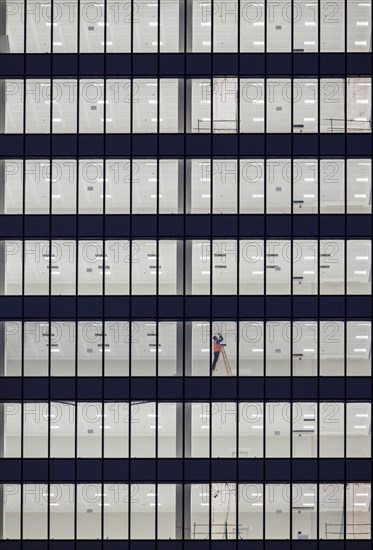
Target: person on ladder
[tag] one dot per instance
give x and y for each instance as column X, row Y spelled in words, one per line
column 217, row 342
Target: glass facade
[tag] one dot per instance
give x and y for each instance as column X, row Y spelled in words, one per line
column 185, row 274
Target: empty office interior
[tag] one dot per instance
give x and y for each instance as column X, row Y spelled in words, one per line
column 185, row 274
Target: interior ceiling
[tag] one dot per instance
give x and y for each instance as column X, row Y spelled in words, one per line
column 224, row 28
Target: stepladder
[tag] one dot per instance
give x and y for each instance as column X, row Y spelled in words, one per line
column 224, row 356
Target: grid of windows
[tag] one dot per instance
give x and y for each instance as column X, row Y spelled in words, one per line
column 245, row 105
column 185, row 274
column 276, row 348
column 191, row 186
column 245, row 429
column 219, row 25
column 149, row 511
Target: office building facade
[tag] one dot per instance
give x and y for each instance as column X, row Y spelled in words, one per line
column 186, row 274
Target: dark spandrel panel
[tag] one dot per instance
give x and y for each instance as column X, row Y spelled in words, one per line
column 36, row 306
column 250, row 470
column 251, row 145
column 11, row 145
column 278, row 144
column 143, row 470
column 305, row 144
column 143, row 388
column 276, row 304
column 278, row 388
column 11, row 388
column 359, row 306
column 144, row 145
column 332, row 145
column 303, row 469
column 196, row 469
column 359, row 63
column 116, row 388
column 63, row 307
column 305, row 65
column 144, row 226
column 65, row 65
column 88, row 545
column 171, row 145
column 359, row 388
column 90, row 306
column 172, row 64
column 143, row 306
column 61, row 545
column 10, row 307
column 36, row 225
column 250, row 226
column 278, row 225
column 35, row 470
column 226, row 305
column 118, row 64
column 145, row 65
column 251, row 388
column 279, row 64
column 116, row 470
column 62, row 388
column 10, row 470
column 35, row 388
column 357, row 469
column 225, row 145
column 305, row 388
column 92, row 65
column 10, row 226
column 63, row 226
column 305, row 226
column 305, row 306
column 223, row 63
column 198, row 64
column 332, row 226
column 197, row 226
column 223, row 388
column 332, row 388
column 118, row 145
column 252, row 63
column 359, row 144
column 331, row 470
column 38, row 65
column 88, row 470
column 170, row 470
column 171, row 225
column 170, row 387
column 359, row 225
column 37, row 144
column 226, row 226
column 11, row 65
column 224, row 469
column 34, row 545
column 64, row 145
column 62, row 469
column 251, row 307
column 89, row 388
column 196, row 145
column 332, row 64
column 90, row 226
column 170, row 307
column 277, row 469
column 332, row 306
column 197, row 306
column 197, row 388
column 91, row 145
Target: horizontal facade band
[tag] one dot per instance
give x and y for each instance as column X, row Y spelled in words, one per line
column 193, row 64
column 191, row 388
column 188, row 307
column 179, row 226
column 195, row 470
column 181, row 145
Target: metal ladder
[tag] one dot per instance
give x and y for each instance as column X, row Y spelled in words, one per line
column 227, row 365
